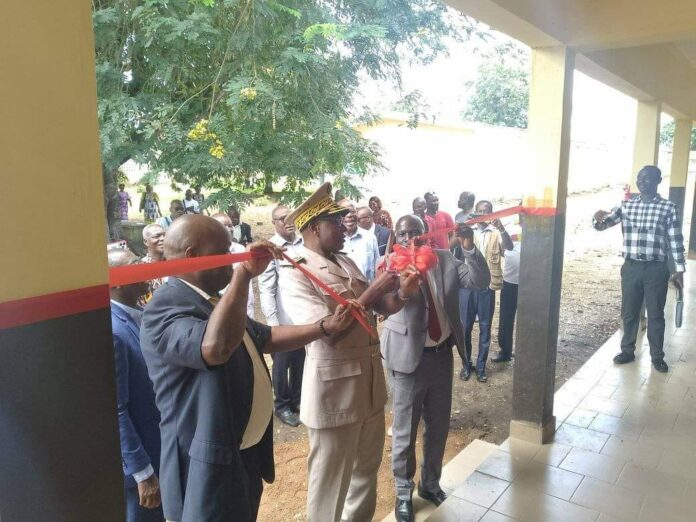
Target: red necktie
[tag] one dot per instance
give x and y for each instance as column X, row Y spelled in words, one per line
column 434, row 330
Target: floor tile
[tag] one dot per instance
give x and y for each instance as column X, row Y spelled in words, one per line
column 679, row 507
column 519, row 503
column 648, row 480
column 606, row 406
column 502, row 465
column 633, row 452
column 616, row 426
column 492, row 516
column 666, row 438
column 538, row 477
column 520, row 448
column 618, row 502
column 603, row 390
column 481, row 489
column 552, row 454
column 678, row 463
column 581, row 418
column 647, row 414
column 457, row 510
column 593, row 464
column 580, row 437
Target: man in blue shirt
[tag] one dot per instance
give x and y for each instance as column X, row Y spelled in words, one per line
column 138, row 417
column 360, row 245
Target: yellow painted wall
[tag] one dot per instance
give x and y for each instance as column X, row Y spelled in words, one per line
column 51, row 203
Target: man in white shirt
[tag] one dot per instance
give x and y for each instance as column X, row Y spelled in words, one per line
column 361, row 246
column 190, row 204
column 366, row 222
column 287, row 366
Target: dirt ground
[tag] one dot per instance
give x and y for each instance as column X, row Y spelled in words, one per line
column 589, row 315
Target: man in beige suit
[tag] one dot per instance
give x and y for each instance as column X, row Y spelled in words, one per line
column 343, row 388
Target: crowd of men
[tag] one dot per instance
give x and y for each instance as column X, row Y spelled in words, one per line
column 196, row 399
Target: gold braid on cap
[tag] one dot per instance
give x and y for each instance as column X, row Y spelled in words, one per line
column 324, row 206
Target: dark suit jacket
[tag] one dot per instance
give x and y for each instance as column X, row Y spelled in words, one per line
column 204, row 476
column 138, row 417
column 382, row 234
column 246, row 233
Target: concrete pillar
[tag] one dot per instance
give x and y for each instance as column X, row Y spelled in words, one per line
column 541, row 264
column 646, row 145
column 59, row 447
column 681, row 148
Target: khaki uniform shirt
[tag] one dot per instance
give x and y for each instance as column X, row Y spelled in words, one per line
column 343, row 382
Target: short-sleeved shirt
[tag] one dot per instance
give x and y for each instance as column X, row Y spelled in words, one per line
column 343, row 382
column 441, row 220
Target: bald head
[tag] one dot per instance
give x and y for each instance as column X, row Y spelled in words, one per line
column 408, row 227
column 121, row 257
column 195, row 235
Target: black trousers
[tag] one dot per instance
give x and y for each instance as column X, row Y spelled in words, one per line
column 508, row 311
column 639, row 281
column 287, row 378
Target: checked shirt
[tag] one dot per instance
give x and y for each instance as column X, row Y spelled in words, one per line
column 651, row 230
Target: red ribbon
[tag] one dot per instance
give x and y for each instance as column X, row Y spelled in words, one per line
column 130, row 274
column 511, row 211
column 423, row 258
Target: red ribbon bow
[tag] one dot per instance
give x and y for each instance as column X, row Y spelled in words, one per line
column 423, row 258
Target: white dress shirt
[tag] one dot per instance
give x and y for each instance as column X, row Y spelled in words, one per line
column 271, row 298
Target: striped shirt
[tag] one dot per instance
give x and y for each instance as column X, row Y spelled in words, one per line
column 651, row 230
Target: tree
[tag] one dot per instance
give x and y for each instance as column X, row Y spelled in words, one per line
column 667, row 135
column 501, row 89
column 236, row 94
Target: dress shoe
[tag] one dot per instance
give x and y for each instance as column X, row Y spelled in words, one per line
column 624, row 358
column 660, row 365
column 501, row 358
column 436, row 497
column 288, row 417
column 465, row 373
column 295, row 409
column 403, row 511
column 481, row 376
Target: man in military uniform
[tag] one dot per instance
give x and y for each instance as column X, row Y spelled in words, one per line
column 343, row 388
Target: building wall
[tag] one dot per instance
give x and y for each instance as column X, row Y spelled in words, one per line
column 59, row 451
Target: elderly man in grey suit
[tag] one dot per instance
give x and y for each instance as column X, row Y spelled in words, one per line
column 417, row 348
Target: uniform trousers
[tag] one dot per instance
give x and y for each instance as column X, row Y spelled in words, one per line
column 647, row 280
column 343, row 463
column 427, row 393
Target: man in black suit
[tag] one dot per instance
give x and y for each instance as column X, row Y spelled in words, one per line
column 383, row 234
column 212, row 387
column 241, row 232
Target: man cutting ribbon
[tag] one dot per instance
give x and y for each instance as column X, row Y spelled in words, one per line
column 343, row 388
column 417, row 345
column 212, row 387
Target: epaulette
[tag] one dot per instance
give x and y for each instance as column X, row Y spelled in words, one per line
column 298, row 259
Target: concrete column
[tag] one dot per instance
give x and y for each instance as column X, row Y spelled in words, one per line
column 680, row 163
column 541, row 264
column 646, row 145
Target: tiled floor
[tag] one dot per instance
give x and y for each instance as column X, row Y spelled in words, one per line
column 625, row 445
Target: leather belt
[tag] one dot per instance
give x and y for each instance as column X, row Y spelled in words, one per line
column 439, row 347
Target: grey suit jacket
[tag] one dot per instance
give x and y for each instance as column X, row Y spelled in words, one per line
column 404, row 333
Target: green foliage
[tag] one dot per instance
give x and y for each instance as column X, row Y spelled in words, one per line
column 235, row 95
column 501, row 89
column 667, row 135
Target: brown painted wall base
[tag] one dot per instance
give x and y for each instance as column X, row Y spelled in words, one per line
column 541, row 269
column 59, row 450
